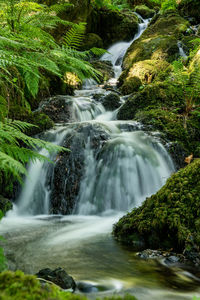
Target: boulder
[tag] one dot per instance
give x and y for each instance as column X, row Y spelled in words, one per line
column 174, row 210
column 111, row 101
column 65, row 178
column 91, row 40
column 112, row 25
column 57, row 108
column 106, row 69
column 158, row 43
column 59, row 277
column 144, row 11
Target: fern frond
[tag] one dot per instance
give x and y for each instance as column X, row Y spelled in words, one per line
column 74, row 37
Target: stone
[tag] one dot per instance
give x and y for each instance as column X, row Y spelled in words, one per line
column 91, row 40
column 59, row 277
column 111, row 101
column 144, row 11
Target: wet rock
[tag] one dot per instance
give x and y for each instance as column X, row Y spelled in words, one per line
column 111, row 101
column 59, row 277
column 91, row 40
column 66, row 176
column 57, row 108
column 144, row 11
column 106, row 69
column 130, row 85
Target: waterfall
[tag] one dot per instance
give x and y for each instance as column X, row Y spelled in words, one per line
column 118, row 174
column 181, row 51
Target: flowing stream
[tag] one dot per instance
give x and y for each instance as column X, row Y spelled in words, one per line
column 130, row 165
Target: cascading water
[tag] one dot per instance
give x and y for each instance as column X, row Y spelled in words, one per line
column 121, row 166
column 181, row 51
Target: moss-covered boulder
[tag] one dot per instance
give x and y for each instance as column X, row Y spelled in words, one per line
column 91, row 40
column 159, row 41
column 150, row 54
column 143, row 72
column 112, row 25
column 159, row 94
column 144, row 11
column 168, row 219
column 105, row 68
column 16, row 285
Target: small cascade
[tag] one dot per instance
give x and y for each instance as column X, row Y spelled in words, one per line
column 117, row 51
column 181, row 50
column 34, row 198
column 130, row 167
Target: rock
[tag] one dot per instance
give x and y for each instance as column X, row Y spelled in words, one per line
column 131, row 85
column 5, row 204
column 144, row 11
column 106, row 69
column 112, row 26
column 190, row 9
column 174, row 208
column 86, row 287
column 66, row 176
column 91, row 40
column 57, row 108
column 59, row 277
column 111, row 101
column 157, row 44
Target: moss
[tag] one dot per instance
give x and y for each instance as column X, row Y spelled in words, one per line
column 143, row 72
column 131, row 85
column 42, row 121
column 91, row 40
column 170, row 218
column 155, row 95
column 105, row 68
column 5, row 204
column 159, row 41
column 144, row 11
column 17, row 286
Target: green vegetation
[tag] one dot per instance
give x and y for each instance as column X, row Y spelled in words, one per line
column 168, row 219
column 18, row 286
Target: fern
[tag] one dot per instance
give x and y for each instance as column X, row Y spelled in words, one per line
column 74, row 37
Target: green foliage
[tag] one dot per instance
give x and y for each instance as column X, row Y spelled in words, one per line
column 168, row 5
column 28, row 51
column 111, row 4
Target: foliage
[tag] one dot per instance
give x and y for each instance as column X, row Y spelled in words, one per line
column 189, row 84
column 24, row 58
column 111, row 4
column 168, row 5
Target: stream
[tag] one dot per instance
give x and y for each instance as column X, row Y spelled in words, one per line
column 122, row 165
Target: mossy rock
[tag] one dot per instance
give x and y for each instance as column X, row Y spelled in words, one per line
column 168, row 219
column 105, row 68
column 112, row 26
column 148, row 3
column 91, row 40
column 159, row 94
column 131, row 85
column 144, row 11
column 143, row 72
column 5, row 204
column 16, row 285
column 159, row 41
column 41, row 121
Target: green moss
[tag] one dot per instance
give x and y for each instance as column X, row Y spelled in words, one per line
column 5, row 204
column 17, row 286
column 143, row 72
column 170, row 218
column 159, row 41
column 42, row 121
column 144, row 11
column 158, row 95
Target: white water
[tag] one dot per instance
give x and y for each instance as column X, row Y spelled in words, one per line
column 181, row 51
column 131, row 166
